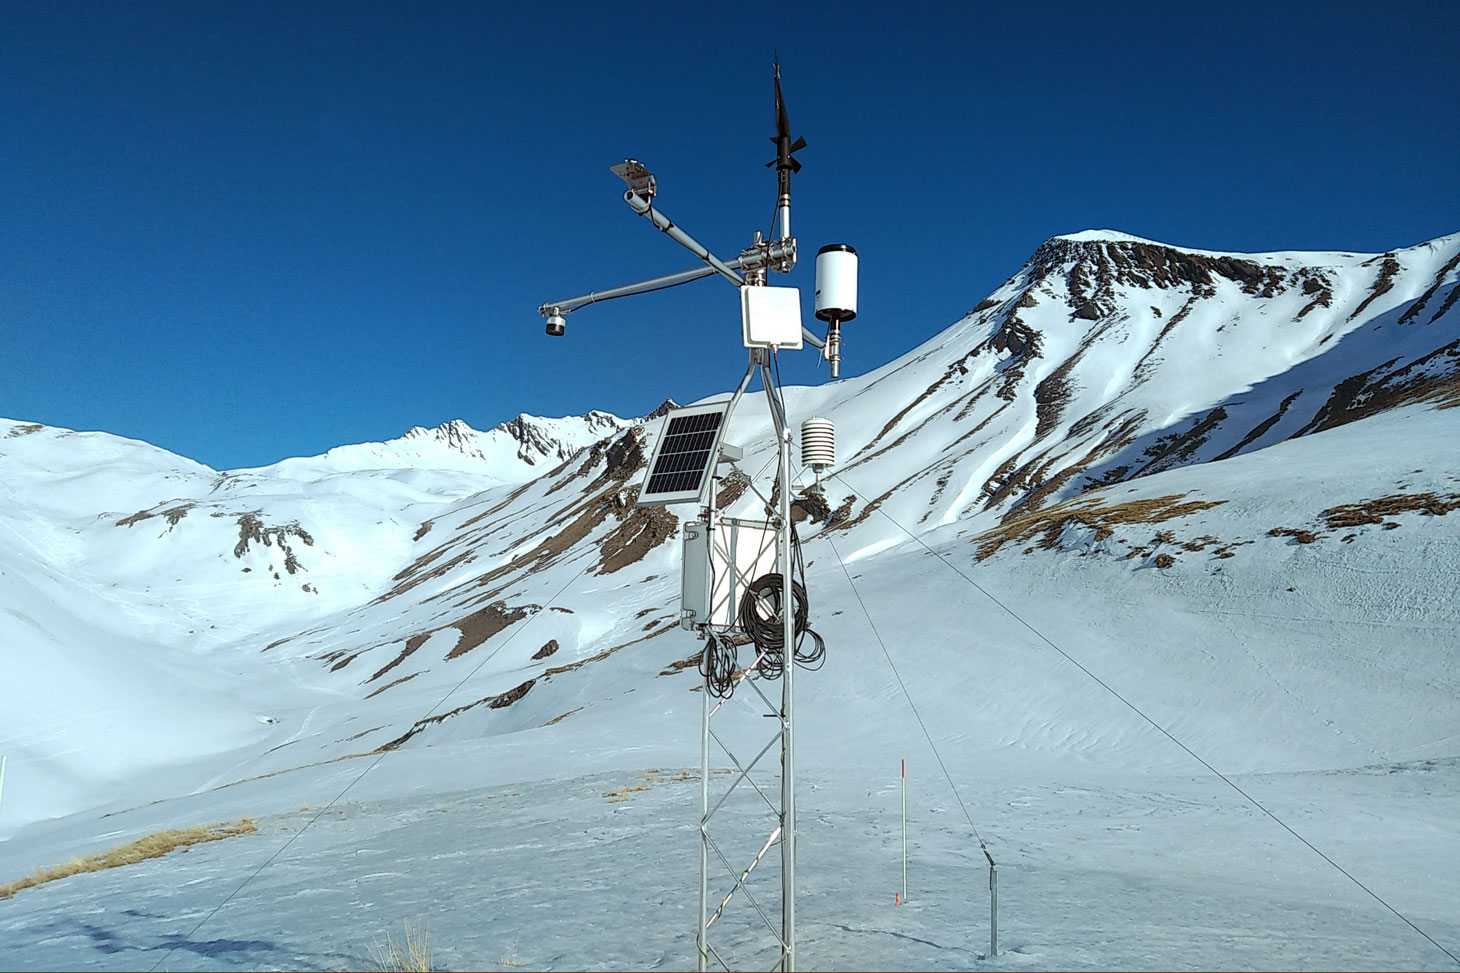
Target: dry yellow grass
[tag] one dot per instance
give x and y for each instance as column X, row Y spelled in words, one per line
column 1380, row 509
column 412, row 955
column 152, row 846
column 1103, row 518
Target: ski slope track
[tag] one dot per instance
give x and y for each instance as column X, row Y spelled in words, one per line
column 1148, row 563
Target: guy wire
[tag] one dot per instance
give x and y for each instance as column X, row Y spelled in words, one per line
column 911, row 705
column 1161, row 729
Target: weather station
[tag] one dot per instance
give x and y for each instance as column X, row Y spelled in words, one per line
column 743, row 581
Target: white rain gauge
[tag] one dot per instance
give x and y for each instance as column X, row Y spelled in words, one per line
column 724, row 558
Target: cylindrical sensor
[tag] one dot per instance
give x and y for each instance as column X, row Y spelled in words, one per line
column 818, row 443
column 836, row 282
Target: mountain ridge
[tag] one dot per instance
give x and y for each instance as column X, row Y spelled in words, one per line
column 373, row 576
column 1045, row 369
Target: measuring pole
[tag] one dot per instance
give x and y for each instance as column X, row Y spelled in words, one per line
column 701, row 945
column 2, row 781
column 788, row 643
column 904, row 830
column 993, row 905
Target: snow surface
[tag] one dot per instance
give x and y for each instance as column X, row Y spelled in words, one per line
column 1139, row 747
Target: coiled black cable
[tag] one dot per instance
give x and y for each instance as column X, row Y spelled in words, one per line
column 717, row 665
column 761, row 608
column 760, row 616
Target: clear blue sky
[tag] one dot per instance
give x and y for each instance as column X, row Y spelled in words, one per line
column 245, row 231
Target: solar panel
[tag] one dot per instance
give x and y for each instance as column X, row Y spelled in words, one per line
column 684, row 455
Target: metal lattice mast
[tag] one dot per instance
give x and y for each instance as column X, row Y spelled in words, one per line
column 748, row 695
column 771, row 319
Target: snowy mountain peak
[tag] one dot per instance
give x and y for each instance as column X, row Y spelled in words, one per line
column 1107, row 358
column 512, row 452
column 454, row 433
column 557, row 439
column 1119, row 259
column 1110, row 236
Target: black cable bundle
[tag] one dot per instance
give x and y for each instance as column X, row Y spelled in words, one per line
column 766, row 630
column 717, row 665
column 768, row 591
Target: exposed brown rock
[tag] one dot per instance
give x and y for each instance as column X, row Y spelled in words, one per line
column 512, row 695
column 482, row 624
column 173, row 514
column 493, row 702
column 1177, row 448
column 1296, row 533
column 1382, row 284
column 1052, row 394
column 642, row 531
column 252, row 530
column 393, row 682
column 412, row 644
column 732, row 487
column 812, row 505
column 1262, row 427
column 1102, row 518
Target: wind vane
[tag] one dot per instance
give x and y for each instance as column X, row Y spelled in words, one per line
column 785, row 160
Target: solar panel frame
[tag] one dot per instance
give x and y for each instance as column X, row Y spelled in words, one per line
column 684, row 456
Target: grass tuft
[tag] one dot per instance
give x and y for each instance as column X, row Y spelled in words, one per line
column 1043, row 527
column 411, row 955
column 152, row 846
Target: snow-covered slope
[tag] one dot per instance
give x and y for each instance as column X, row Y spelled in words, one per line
column 1144, row 515
column 517, row 450
column 129, row 573
column 1108, row 357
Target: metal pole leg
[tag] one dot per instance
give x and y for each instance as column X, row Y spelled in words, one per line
column 702, row 933
column 993, row 909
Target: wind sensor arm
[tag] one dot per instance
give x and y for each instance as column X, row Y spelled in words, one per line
column 753, row 264
column 752, row 260
column 642, row 188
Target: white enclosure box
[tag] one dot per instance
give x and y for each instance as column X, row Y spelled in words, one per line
column 694, row 586
column 719, row 565
column 770, row 317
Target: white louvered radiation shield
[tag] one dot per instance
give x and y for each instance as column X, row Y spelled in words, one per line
column 818, row 443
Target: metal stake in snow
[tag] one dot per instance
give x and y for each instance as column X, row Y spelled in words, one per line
column 2, row 782
column 993, row 905
column 681, row 471
column 904, row 831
